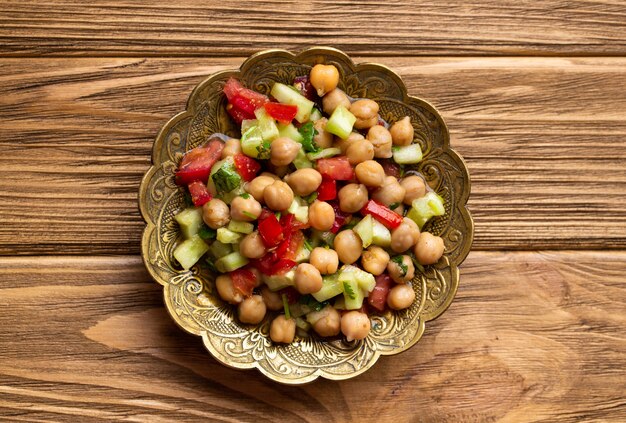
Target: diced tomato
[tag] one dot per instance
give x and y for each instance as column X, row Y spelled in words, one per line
column 244, row 281
column 292, row 295
column 238, row 115
column 271, row 232
column 382, row 213
column 378, row 297
column 265, row 213
column 234, row 88
column 337, row 168
column 282, row 266
column 327, row 190
column 264, row 264
column 197, row 163
column 281, row 112
column 246, row 166
column 199, row 193
column 341, row 218
column 290, row 224
column 239, row 108
column 390, row 167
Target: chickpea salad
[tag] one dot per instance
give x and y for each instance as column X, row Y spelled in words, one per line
column 310, row 214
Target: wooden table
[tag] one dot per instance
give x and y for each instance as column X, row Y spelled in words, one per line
column 534, row 94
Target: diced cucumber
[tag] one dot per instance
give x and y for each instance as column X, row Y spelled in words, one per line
column 426, row 207
column 247, row 124
column 302, row 161
column 364, row 229
column 230, row 262
column 331, row 287
column 322, row 237
column 226, row 178
column 408, row 154
column 352, row 293
column 315, row 115
column 289, row 131
column 300, row 212
column 267, row 124
column 299, row 309
column 381, row 236
column 227, row 236
column 253, row 145
column 323, row 154
column 219, row 249
column 190, row 221
column 230, row 196
column 302, row 324
column 190, row 251
column 341, row 122
column 278, row 282
column 241, row 227
column 365, row 280
column 285, row 94
column 303, row 255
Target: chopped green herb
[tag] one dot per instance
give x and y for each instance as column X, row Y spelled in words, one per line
column 312, row 303
column 277, row 214
column 286, row 307
column 245, row 195
column 311, row 198
column 308, row 245
column 417, row 265
column 401, row 171
column 399, row 260
column 393, row 205
column 264, row 150
column 308, row 132
column 226, row 178
column 347, row 289
column 395, row 148
column 248, row 214
column 207, row 233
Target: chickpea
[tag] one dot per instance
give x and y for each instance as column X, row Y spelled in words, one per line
column 401, row 269
column 348, row 246
column 252, row 246
column 429, row 248
column 231, row 147
column 370, row 173
column 321, row 215
column 283, row 329
column 380, row 138
column 226, row 290
column 324, row 78
column 391, row 192
column 245, row 209
column 215, row 213
column 278, row 196
column 404, row 236
column 355, row 325
column 256, row 186
column 304, row 181
column 325, row 322
column 366, row 113
column 308, row 279
column 252, row 310
column 374, row 260
column 344, row 143
column 400, row 297
column 323, row 139
column 360, row 151
column 283, row 150
column 334, row 99
column 414, row 186
column 272, row 300
column 325, row 260
column 270, row 174
column 402, row 132
column 352, row 198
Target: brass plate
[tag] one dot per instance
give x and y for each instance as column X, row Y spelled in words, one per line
column 190, row 296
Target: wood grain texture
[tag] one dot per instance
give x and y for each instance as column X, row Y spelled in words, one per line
column 212, row 28
column 543, row 139
column 530, row 337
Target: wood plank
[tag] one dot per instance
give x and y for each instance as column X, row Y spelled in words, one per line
column 530, row 336
column 543, row 139
column 212, row 28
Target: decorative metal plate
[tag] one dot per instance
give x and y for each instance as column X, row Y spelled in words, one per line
column 190, row 296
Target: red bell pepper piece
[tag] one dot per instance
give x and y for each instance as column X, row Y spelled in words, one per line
column 337, row 168
column 327, row 190
column 382, row 213
column 246, row 166
column 197, row 163
column 271, row 232
column 244, row 281
column 378, row 297
column 199, row 193
column 281, row 112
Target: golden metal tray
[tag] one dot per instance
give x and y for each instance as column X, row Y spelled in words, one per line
column 190, row 296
